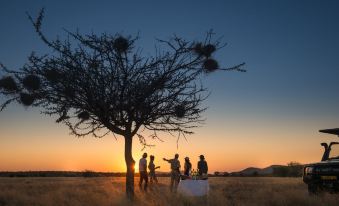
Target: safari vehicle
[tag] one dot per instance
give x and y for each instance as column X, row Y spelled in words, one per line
column 324, row 175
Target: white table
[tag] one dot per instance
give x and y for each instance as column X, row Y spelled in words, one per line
column 193, row 187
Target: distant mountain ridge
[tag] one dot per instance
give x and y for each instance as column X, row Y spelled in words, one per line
column 292, row 169
column 258, row 171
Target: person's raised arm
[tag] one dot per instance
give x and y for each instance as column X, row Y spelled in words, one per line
column 165, row 159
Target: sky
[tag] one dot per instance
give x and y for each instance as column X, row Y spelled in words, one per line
column 268, row 115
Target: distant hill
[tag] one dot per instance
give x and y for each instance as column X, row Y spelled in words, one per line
column 273, row 170
column 260, row 171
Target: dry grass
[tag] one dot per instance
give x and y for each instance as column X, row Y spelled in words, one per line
column 110, row 191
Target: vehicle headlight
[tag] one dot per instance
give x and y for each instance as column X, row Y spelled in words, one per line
column 309, row 170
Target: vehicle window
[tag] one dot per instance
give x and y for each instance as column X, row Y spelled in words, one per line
column 334, row 151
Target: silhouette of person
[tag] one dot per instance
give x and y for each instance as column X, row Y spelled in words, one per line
column 152, row 168
column 175, row 171
column 202, row 165
column 187, row 166
column 143, row 171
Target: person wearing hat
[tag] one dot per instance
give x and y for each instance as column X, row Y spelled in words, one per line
column 202, row 166
column 187, row 166
column 175, row 171
column 152, row 168
column 143, row 171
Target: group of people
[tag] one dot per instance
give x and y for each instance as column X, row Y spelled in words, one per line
column 175, row 170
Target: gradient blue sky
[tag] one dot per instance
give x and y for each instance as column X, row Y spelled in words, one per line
column 269, row 115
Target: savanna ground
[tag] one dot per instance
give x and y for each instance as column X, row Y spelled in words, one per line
column 110, row 191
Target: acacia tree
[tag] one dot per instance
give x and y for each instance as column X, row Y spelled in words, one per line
column 101, row 84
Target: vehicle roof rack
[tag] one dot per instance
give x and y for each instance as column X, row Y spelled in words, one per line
column 334, row 131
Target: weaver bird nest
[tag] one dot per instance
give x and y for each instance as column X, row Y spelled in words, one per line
column 31, row 82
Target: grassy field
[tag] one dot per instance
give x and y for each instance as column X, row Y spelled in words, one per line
column 110, row 191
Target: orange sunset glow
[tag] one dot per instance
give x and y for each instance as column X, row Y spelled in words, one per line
column 227, row 146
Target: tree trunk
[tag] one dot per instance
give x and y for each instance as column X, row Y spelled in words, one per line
column 130, row 167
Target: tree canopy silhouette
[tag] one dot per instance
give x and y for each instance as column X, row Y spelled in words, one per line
column 101, row 84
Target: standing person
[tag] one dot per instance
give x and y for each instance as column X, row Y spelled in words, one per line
column 187, row 166
column 202, row 166
column 175, row 171
column 143, row 171
column 152, row 168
